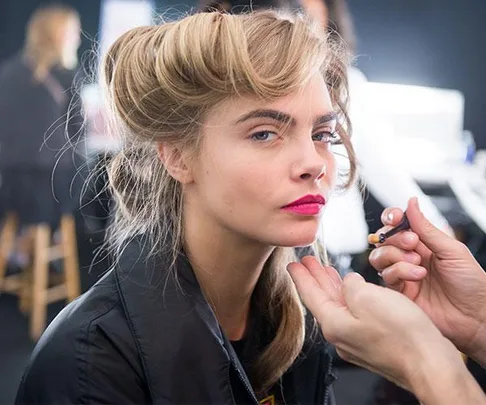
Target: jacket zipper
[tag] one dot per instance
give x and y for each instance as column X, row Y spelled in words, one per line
column 235, row 362
column 328, row 373
column 245, row 383
column 242, row 379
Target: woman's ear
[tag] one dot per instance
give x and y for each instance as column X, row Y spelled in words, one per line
column 175, row 162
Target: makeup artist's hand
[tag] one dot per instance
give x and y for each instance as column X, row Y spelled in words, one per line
column 439, row 274
column 383, row 331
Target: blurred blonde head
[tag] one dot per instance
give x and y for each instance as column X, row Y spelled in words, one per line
column 161, row 83
column 52, row 39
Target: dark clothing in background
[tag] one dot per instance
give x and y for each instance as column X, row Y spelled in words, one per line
column 35, row 196
column 37, row 158
column 32, row 122
column 138, row 337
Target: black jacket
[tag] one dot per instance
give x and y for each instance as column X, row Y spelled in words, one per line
column 135, row 338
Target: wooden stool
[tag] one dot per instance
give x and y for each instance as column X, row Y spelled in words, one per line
column 32, row 285
column 7, row 239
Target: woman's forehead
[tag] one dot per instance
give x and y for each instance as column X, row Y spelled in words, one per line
column 312, row 99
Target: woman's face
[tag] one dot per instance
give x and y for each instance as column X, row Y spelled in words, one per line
column 258, row 159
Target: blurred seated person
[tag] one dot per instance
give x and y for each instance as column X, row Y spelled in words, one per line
column 40, row 121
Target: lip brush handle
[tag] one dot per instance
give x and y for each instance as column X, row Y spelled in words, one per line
column 403, row 225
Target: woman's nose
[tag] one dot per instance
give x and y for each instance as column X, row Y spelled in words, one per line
column 312, row 164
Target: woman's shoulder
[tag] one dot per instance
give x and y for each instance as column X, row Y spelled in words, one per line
column 100, row 305
column 88, row 349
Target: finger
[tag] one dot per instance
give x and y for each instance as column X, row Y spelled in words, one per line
column 327, row 277
column 396, row 275
column 391, row 216
column 308, row 287
column 336, row 278
column 320, row 302
column 385, row 256
column 423, row 251
column 436, row 240
column 405, row 240
column 353, row 287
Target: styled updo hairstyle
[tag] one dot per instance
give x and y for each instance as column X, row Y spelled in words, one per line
column 161, row 81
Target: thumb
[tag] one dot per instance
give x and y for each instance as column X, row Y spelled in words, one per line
column 353, row 284
column 432, row 237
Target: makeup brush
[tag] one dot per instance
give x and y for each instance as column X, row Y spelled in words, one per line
column 382, row 237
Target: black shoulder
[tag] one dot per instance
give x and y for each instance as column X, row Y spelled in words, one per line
column 86, row 355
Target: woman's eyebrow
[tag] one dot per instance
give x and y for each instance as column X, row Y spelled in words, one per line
column 265, row 113
column 323, row 119
column 284, row 117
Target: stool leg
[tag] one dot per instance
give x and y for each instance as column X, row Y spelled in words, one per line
column 25, row 303
column 26, row 244
column 7, row 238
column 40, row 270
column 70, row 253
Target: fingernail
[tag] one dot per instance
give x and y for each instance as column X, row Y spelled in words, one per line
column 417, row 271
column 389, row 217
column 409, row 237
column 354, row 275
column 417, row 202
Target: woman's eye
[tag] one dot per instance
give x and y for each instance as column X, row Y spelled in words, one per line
column 264, row 136
column 327, row 137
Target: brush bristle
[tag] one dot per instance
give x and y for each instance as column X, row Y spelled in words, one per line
column 373, row 239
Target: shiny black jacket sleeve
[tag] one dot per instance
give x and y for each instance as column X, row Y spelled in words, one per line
column 84, row 366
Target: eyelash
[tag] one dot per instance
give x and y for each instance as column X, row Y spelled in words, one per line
column 333, row 137
column 256, row 134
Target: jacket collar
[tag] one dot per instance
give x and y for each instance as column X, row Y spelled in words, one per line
column 184, row 353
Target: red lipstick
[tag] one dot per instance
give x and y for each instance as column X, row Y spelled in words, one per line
column 308, row 205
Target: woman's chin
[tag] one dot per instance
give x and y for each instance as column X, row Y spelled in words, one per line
column 296, row 240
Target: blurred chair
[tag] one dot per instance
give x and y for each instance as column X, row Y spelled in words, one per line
column 34, row 285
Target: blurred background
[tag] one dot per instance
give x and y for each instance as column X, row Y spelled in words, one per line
column 423, row 64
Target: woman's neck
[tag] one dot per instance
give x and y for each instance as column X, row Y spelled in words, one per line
column 227, row 268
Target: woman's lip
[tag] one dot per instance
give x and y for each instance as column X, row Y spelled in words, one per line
column 307, row 199
column 309, row 209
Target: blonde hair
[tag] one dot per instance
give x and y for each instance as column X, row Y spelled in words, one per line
column 160, row 82
column 43, row 43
